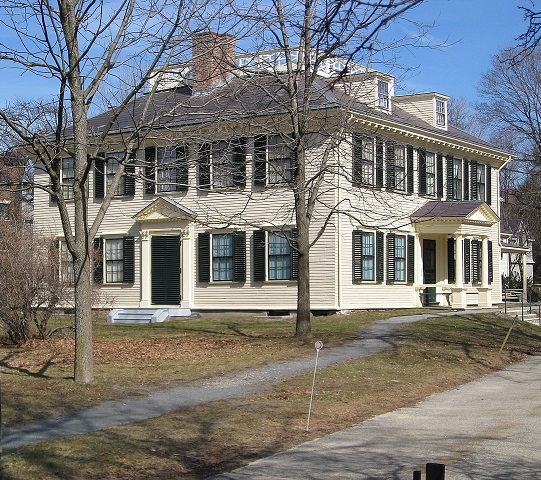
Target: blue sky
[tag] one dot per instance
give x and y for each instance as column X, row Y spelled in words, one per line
column 474, row 31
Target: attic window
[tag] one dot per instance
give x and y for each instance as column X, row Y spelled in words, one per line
column 383, row 94
column 440, row 113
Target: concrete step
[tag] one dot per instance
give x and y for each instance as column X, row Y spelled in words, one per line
column 145, row 315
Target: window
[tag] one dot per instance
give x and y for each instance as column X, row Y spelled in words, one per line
column 104, row 172
column 368, row 253
column 68, row 178
column 279, row 256
column 66, row 264
column 115, row 257
column 222, row 164
column 440, row 113
column 480, row 182
column 275, row 255
column 363, row 160
column 166, row 169
column 273, row 160
column 383, row 94
column 4, row 210
column 400, row 167
column 430, row 174
column 457, row 179
column 221, row 257
column 400, row 258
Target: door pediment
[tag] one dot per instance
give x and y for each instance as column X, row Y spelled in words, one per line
column 164, row 209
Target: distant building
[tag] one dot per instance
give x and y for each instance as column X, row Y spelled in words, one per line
column 12, row 169
column 202, row 219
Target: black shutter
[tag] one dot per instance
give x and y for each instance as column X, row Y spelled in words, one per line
column 128, row 244
column 410, row 168
column 439, row 166
column 450, row 178
column 98, row 260
column 488, row 196
column 473, row 178
column 259, row 255
column 357, row 255
column 260, row 163
column 422, row 171
column 467, row 275
column 490, row 263
column 451, row 269
column 411, row 259
column 294, row 255
column 129, row 182
column 390, row 257
column 239, row 163
column 379, row 257
column 203, row 257
column 182, row 168
column 390, row 164
column 475, row 260
column 239, row 256
column 150, row 170
column 203, row 179
column 379, row 162
column 466, row 180
column 99, row 177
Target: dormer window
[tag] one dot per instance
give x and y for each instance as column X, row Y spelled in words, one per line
column 383, row 94
column 440, row 114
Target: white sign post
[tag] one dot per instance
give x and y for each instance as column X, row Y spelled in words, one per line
column 318, row 345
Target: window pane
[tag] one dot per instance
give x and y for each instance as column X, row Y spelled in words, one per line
column 440, row 113
column 222, row 257
column 279, row 256
column 114, row 260
column 481, row 182
column 111, row 168
column 457, row 179
column 279, row 160
column 68, row 177
column 383, row 94
column 400, row 167
column 66, row 264
column 400, row 258
column 430, row 174
column 367, row 161
column 166, row 169
column 368, row 256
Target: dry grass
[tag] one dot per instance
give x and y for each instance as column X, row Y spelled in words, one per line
column 439, row 353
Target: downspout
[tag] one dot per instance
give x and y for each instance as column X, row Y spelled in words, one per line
column 339, row 240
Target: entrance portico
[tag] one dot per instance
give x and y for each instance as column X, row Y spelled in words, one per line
column 461, row 234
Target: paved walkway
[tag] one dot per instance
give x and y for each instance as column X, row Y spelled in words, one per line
column 381, row 335
column 486, row 429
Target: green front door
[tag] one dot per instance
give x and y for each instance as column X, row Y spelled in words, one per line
column 165, row 270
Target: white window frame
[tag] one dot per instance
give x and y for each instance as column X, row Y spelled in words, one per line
column 400, row 167
column 458, row 178
column 223, row 268
column 65, row 266
column 279, row 164
column 383, row 94
column 441, row 114
column 67, row 181
column 481, row 181
column 279, row 263
column 368, row 252
column 430, row 174
column 113, row 260
column 400, row 258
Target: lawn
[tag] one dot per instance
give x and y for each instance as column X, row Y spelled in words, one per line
column 437, row 354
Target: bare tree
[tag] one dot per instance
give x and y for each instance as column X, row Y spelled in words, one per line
column 31, row 285
column 84, row 46
column 307, row 39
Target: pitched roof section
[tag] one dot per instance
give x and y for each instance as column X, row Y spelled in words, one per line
column 164, row 209
column 249, row 97
column 469, row 211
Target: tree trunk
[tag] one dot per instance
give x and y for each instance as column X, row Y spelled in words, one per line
column 83, row 362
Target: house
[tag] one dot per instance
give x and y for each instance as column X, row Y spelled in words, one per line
column 407, row 212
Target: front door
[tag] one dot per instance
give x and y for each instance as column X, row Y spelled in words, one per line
column 165, row 270
column 429, row 261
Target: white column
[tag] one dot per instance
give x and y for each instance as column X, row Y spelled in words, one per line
column 484, row 262
column 459, row 262
column 145, row 270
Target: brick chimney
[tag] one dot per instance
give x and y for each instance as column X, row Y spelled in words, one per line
column 213, row 60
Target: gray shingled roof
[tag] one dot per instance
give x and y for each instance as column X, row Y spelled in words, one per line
column 446, row 209
column 259, row 95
